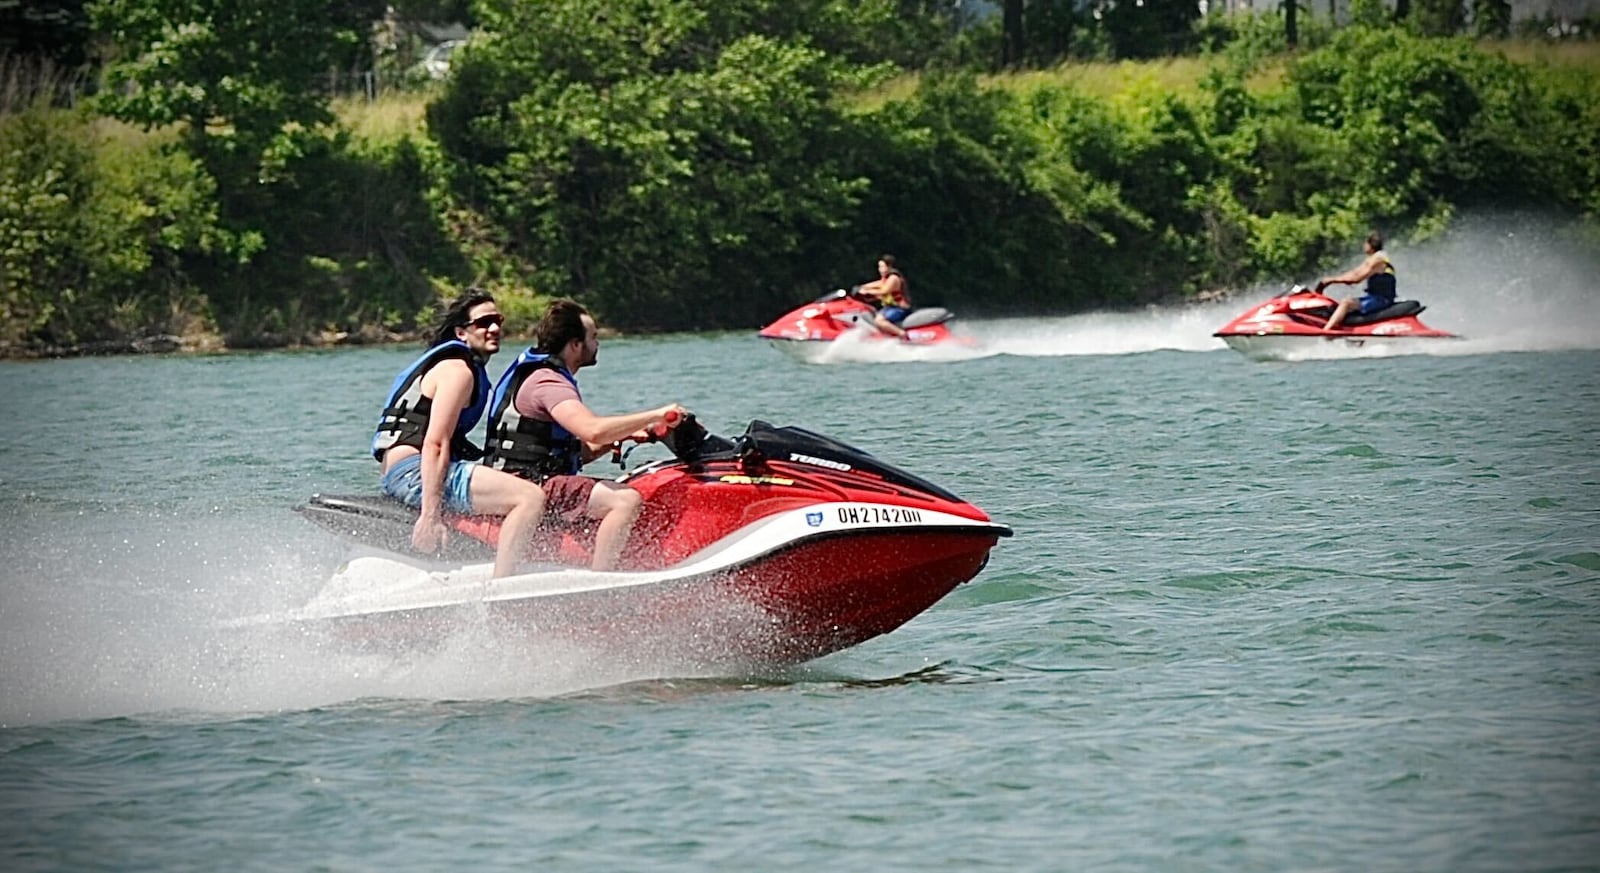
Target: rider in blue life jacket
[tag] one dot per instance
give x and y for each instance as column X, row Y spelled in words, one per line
column 1379, row 273
column 540, row 429
column 421, row 439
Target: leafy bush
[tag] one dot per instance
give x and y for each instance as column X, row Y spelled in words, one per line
column 1247, row 37
column 93, row 234
column 650, row 162
column 950, row 195
column 679, row 164
column 1437, row 121
column 353, row 245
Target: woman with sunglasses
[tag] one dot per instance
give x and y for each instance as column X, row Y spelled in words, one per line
column 421, row 439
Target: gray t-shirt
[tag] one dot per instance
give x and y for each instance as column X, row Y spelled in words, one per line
column 543, row 391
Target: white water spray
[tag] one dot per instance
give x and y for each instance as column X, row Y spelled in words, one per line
column 1504, row 283
column 147, row 622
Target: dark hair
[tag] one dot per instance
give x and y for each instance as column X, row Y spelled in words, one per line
column 562, row 323
column 888, row 259
column 455, row 315
column 1375, row 240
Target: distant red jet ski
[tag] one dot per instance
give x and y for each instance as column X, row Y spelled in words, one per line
column 833, row 315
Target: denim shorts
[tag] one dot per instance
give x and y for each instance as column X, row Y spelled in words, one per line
column 1371, row 303
column 894, row 314
column 404, row 481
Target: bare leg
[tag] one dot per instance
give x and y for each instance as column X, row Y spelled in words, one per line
column 515, row 533
column 617, row 507
column 495, row 492
column 1339, row 312
column 889, row 327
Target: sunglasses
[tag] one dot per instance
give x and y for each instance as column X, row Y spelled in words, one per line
column 483, row 322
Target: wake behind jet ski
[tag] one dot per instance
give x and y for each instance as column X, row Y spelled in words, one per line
column 1291, row 322
column 775, row 547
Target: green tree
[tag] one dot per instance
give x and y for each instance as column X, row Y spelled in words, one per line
column 1426, row 125
column 1050, row 28
column 1372, row 13
column 1439, row 17
column 245, row 79
column 326, row 236
column 1151, row 28
column 1491, row 18
column 92, row 234
column 658, row 160
column 1013, row 46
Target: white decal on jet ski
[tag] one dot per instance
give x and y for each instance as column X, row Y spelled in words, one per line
column 878, row 515
column 818, row 462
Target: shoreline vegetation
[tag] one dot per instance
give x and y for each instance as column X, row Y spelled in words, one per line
column 211, row 343
column 731, row 176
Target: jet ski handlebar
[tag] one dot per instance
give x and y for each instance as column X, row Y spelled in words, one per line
column 854, row 291
column 658, row 431
column 683, row 436
column 681, row 433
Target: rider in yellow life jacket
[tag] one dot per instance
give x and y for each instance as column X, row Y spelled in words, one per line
column 892, row 295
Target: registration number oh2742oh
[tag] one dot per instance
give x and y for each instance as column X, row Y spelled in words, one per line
column 878, row 515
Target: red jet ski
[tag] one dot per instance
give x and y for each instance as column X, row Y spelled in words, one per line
column 775, row 547
column 834, row 315
column 1295, row 319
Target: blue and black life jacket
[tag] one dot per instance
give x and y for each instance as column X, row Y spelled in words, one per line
column 1383, row 284
column 529, row 447
column 404, row 421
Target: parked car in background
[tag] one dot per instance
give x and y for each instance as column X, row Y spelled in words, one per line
column 436, row 63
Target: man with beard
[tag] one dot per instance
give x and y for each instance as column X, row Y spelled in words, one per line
column 540, row 429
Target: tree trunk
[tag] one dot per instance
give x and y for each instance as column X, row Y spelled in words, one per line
column 1291, row 29
column 1492, row 18
column 1012, row 44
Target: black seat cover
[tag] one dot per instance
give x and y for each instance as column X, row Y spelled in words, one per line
column 1397, row 309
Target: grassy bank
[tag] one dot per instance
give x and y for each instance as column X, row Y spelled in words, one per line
column 392, row 117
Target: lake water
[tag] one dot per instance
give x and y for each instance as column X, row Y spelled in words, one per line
column 1320, row 615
